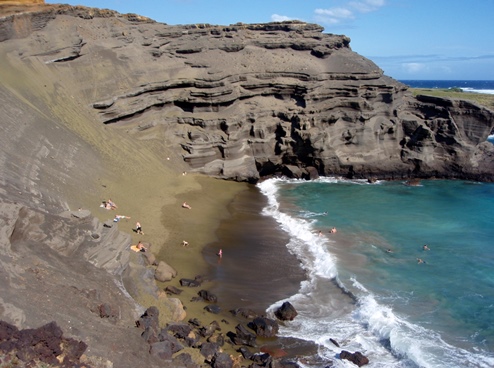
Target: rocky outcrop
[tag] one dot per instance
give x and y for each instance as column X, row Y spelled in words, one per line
column 45, row 344
column 67, row 267
column 250, row 100
column 356, row 358
column 286, row 312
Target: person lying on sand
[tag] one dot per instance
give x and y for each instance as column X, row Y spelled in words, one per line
column 141, row 247
column 119, row 217
column 185, row 205
column 111, row 205
column 185, row 243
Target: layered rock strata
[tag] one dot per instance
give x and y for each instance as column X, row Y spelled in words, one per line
column 250, row 100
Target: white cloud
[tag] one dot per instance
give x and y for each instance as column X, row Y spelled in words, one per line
column 414, row 68
column 366, row 6
column 341, row 14
column 333, row 15
column 280, row 18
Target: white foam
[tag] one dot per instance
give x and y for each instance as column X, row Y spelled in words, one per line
column 369, row 327
column 473, row 90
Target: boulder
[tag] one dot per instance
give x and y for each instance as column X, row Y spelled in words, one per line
column 150, row 258
column 217, row 339
column 286, row 312
column 215, row 309
column 335, row 343
column 356, row 358
column 173, row 290
column 242, row 336
column 208, row 331
column 176, row 309
column 222, row 360
column 246, row 353
column 150, row 318
column 164, row 272
column 179, row 330
column 208, row 296
column 176, row 346
column 244, row 312
column 264, row 327
column 262, row 359
column 189, row 283
column 184, row 360
column 209, row 350
column 161, row 349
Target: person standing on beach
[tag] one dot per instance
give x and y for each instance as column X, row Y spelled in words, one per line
column 139, row 228
column 220, row 253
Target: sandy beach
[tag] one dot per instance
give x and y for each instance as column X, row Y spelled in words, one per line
column 148, row 182
column 223, row 214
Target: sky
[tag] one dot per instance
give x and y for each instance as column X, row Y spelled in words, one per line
column 408, row 39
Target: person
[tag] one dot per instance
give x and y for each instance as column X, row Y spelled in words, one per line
column 111, row 205
column 420, row 260
column 425, row 247
column 139, row 228
column 333, row 230
column 320, row 233
column 220, row 253
column 119, row 217
column 141, row 247
column 185, row 205
column 185, row 243
column 389, row 251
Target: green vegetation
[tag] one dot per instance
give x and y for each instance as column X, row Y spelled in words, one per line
column 486, row 100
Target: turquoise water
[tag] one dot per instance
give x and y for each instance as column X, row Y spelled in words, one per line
column 439, row 313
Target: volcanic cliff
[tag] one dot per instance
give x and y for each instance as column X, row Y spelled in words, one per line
column 250, row 100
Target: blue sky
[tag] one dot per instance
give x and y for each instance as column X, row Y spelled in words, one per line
column 408, row 39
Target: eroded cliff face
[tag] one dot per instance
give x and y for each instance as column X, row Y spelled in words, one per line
column 249, row 100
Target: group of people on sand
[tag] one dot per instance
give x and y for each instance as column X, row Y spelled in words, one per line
column 139, row 247
column 110, row 205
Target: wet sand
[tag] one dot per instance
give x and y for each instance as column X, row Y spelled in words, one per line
column 256, row 269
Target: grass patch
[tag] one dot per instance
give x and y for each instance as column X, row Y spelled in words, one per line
column 483, row 99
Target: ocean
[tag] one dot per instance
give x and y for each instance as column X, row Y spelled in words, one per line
column 474, row 86
column 396, row 311
column 363, row 286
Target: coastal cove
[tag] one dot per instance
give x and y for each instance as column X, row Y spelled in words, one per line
column 229, row 154
column 363, row 286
